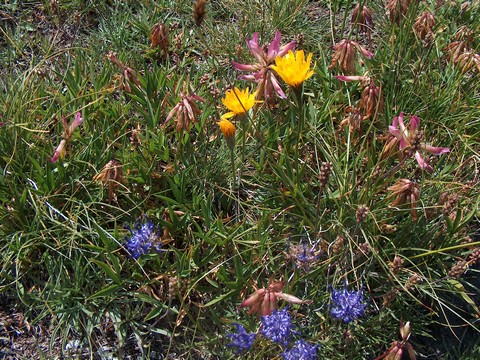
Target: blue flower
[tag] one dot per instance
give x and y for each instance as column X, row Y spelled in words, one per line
column 277, row 326
column 144, row 235
column 301, row 351
column 241, row 340
column 347, row 305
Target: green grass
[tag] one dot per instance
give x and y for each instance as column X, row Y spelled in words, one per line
column 62, row 258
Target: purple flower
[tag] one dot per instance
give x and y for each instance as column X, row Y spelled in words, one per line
column 277, row 326
column 301, row 351
column 410, row 140
column 241, row 340
column 347, row 305
column 262, row 73
column 144, row 235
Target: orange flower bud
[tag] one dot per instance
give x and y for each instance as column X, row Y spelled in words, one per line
column 227, row 128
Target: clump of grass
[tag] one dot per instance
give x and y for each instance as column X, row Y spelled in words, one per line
column 352, row 182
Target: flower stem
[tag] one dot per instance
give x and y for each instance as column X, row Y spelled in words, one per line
column 299, row 102
column 232, row 163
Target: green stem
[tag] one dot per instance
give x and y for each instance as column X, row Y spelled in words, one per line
column 232, row 163
column 299, row 100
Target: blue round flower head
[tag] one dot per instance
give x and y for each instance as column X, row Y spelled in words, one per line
column 347, row 305
column 241, row 340
column 301, row 351
column 144, row 236
column 277, row 326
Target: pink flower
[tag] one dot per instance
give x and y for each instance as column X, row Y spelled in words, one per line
column 262, row 74
column 410, row 140
column 351, row 77
column 67, row 134
column 70, row 129
column 59, row 151
column 264, row 301
column 396, row 350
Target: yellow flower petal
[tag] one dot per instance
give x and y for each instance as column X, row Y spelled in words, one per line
column 239, row 101
column 293, row 68
column 228, row 115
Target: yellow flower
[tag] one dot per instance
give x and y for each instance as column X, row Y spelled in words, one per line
column 238, row 102
column 227, row 128
column 293, row 68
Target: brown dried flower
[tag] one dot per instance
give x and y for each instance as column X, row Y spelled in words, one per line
column 405, row 192
column 362, row 16
column 54, row 6
column 112, row 176
column 389, row 297
column 364, row 248
column 128, row 74
column 412, row 281
column 474, row 257
column 185, row 111
column 353, row 118
column 458, row 269
column 464, row 34
column 463, row 38
column 344, row 55
column 325, row 171
column 467, row 61
column 397, row 264
column 362, row 213
column 173, row 286
column 135, row 141
column 371, row 100
column 454, row 50
column 424, row 24
column 396, row 9
column 68, row 131
column 199, row 11
column 338, row 245
column 159, row 37
column 449, row 202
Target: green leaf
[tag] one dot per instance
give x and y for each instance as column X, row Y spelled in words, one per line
column 108, row 271
column 463, row 293
column 105, row 292
column 154, row 313
column 219, row 298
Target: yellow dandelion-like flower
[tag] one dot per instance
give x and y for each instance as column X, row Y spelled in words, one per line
column 238, row 102
column 293, row 68
column 227, row 128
